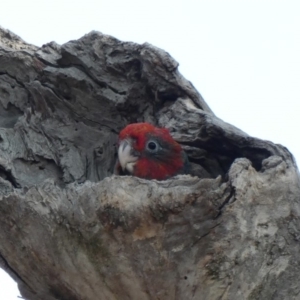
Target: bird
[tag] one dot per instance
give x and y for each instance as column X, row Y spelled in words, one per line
column 149, row 152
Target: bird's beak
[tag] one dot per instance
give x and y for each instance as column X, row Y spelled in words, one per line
column 127, row 156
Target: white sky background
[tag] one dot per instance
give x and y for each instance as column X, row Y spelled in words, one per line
column 243, row 56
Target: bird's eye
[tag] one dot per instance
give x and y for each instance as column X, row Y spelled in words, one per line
column 152, row 146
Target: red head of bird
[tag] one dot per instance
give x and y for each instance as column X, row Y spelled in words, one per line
column 149, row 152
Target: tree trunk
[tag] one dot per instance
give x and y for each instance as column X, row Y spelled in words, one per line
column 70, row 230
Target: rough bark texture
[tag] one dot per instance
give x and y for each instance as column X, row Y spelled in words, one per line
column 70, row 230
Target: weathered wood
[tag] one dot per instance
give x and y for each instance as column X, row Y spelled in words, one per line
column 71, row 230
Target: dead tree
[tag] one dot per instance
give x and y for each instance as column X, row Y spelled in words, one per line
column 70, row 230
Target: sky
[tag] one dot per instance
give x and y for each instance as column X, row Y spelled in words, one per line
column 243, row 56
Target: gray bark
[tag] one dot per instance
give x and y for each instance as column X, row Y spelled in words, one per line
column 69, row 229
